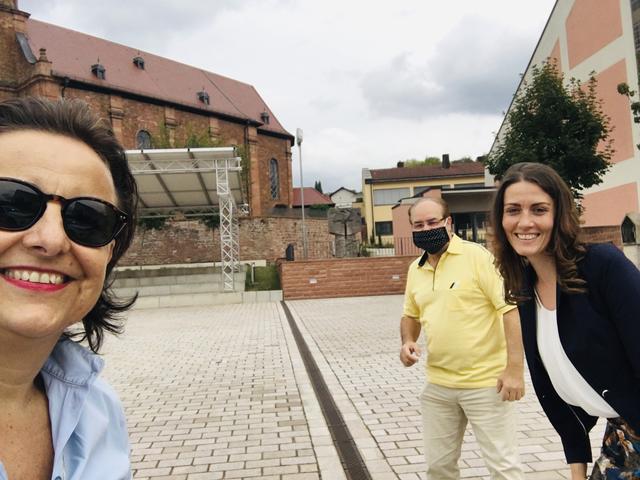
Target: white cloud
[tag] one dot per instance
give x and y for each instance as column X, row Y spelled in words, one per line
column 371, row 82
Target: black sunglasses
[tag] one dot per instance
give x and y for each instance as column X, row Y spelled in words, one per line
column 87, row 221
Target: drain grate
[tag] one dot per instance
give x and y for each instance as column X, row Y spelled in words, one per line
column 352, row 462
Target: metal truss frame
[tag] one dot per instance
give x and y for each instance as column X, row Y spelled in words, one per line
column 222, row 162
column 229, row 230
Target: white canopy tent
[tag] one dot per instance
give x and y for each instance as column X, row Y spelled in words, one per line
column 194, row 181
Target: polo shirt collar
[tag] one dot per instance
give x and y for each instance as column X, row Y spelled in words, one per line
column 455, row 245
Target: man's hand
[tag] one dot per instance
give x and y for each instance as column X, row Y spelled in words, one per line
column 511, row 384
column 409, row 353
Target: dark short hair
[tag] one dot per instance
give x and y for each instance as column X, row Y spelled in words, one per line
column 565, row 245
column 74, row 119
column 436, row 200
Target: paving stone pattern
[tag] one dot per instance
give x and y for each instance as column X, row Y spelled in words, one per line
column 220, row 392
column 210, row 393
column 359, row 340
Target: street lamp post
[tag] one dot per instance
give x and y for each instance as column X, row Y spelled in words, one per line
column 304, row 230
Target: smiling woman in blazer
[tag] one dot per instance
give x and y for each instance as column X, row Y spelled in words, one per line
column 580, row 311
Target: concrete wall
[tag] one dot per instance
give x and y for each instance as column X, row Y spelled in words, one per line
column 632, row 252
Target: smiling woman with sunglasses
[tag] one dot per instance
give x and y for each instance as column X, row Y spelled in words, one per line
column 67, row 212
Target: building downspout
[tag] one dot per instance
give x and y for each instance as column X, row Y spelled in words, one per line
column 373, row 220
column 247, row 156
column 65, row 84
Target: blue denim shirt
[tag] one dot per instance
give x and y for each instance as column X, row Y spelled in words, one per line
column 88, row 426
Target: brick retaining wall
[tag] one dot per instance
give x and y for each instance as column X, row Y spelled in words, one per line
column 610, row 233
column 189, row 241
column 374, row 275
column 345, row 277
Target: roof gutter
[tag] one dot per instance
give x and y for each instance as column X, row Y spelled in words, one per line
column 421, row 178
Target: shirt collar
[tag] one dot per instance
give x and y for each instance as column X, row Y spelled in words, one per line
column 455, row 245
column 72, row 363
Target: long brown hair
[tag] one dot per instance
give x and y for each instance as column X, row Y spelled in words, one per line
column 565, row 245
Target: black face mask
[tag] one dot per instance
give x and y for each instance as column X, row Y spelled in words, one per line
column 432, row 241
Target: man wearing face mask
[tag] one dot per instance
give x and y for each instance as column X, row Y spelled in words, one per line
column 474, row 361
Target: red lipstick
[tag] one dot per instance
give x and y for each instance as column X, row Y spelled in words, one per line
column 33, row 286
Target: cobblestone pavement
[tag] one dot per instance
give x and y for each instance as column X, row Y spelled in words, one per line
column 221, row 392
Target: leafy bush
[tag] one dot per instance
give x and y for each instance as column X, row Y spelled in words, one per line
column 266, row 278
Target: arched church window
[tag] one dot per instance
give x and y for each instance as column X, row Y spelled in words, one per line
column 274, row 179
column 143, row 140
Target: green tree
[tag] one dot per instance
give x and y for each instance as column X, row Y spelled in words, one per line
column 412, row 162
column 623, row 89
column 318, row 186
column 188, row 137
column 464, row 160
column 560, row 125
column 191, row 136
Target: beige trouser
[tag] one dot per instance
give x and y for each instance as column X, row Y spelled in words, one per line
column 445, row 412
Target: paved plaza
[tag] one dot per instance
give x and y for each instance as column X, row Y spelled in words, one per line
column 221, row 392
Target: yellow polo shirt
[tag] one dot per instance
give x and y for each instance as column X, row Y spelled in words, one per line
column 460, row 305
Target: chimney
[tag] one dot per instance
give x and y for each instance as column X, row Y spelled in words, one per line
column 400, row 165
column 445, row 161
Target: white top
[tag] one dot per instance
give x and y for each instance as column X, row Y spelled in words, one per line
column 566, row 379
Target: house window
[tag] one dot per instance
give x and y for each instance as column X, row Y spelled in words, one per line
column 274, row 179
column 384, row 228
column 628, row 231
column 389, row 196
column 139, row 62
column 421, row 190
column 99, row 71
column 143, row 140
column 203, row 96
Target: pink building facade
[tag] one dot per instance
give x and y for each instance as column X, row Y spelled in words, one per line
column 587, row 36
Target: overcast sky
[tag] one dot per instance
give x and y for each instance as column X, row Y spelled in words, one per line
column 370, row 82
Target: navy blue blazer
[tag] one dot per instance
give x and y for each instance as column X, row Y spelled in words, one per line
column 600, row 333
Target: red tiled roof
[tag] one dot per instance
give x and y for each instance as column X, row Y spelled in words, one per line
column 311, row 197
column 73, row 53
column 428, row 171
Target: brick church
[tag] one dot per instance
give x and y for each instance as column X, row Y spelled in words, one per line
column 150, row 101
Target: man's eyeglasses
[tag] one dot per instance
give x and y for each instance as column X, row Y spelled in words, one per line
column 429, row 223
column 87, row 221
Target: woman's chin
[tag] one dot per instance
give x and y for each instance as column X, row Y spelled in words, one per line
column 35, row 325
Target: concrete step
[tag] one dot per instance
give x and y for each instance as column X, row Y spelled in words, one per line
column 166, row 270
column 168, row 280
column 160, row 277
column 208, row 298
column 160, row 286
column 176, row 289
